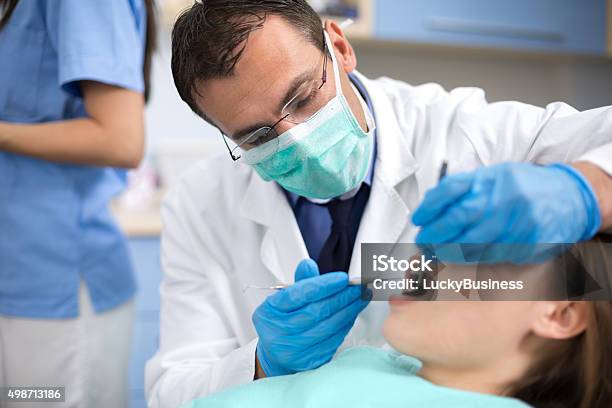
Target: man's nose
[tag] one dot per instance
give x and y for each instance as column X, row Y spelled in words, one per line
column 283, row 126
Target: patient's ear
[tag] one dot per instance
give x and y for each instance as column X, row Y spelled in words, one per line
column 560, row 320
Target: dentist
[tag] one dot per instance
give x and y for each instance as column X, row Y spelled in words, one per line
column 320, row 160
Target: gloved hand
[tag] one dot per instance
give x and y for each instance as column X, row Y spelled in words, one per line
column 510, row 203
column 302, row 326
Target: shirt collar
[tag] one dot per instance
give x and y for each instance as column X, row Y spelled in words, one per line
column 364, row 99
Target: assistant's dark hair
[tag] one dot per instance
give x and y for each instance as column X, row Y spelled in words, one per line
column 150, row 45
column 209, row 38
column 7, row 7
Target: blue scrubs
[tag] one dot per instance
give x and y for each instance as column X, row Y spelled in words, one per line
column 55, row 226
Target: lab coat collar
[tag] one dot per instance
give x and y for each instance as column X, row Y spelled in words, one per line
column 282, row 245
column 387, row 215
column 394, row 162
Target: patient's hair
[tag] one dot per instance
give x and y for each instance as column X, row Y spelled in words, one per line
column 576, row 372
column 209, row 38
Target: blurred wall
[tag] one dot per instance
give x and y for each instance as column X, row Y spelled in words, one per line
column 167, row 115
column 583, row 83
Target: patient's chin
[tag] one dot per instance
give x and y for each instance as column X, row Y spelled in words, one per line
column 395, row 334
column 389, row 331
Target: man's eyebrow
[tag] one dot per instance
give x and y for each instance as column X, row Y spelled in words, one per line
column 296, row 83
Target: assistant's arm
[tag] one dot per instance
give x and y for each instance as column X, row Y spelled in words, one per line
column 111, row 135
column 199, row 353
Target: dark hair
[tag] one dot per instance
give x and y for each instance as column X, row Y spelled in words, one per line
column 8, row 7
column 576, row 372
column 150, row 46
column 209, row 38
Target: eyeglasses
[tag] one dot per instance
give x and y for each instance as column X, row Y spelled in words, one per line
column 308, row 100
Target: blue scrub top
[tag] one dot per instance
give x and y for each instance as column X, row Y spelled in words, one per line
column 55, row 226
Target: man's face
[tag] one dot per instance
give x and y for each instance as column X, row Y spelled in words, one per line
column 276, row 64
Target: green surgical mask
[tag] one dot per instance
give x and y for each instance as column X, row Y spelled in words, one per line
column 324, row 157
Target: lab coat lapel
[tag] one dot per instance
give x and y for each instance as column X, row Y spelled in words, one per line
column 387, row 214
column 282, row 245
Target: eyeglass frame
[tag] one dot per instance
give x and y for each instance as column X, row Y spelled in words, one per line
column 272, row 128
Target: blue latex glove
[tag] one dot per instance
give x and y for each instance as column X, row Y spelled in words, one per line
column 302, row 326
column 510, row 203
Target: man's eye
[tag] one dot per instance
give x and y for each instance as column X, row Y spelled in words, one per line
column 303, row 102
column 260, row 138
column 257, row 142
column 307, row 100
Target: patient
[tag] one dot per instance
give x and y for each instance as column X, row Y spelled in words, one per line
column 464, row 354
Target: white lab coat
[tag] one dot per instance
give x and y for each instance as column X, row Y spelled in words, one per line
column 224, row 227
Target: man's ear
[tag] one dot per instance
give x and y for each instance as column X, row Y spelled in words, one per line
column 560, row 320
column 344, row 51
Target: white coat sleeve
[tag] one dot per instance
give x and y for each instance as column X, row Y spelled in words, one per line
column 198, row 353
column 514, row 131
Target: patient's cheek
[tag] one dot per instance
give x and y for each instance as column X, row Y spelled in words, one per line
column 394, row 333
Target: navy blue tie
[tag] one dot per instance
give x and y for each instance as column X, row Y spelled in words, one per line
column 345, row 215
